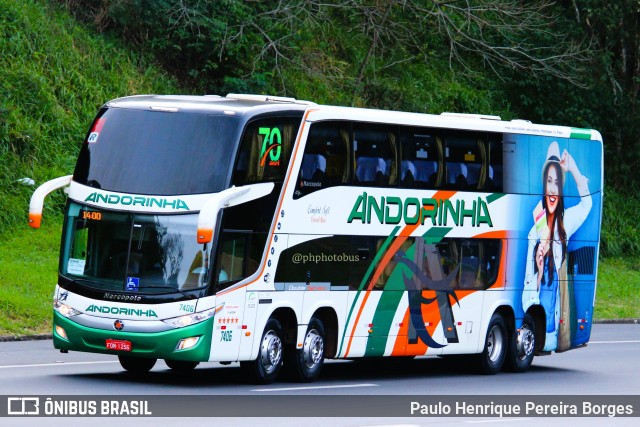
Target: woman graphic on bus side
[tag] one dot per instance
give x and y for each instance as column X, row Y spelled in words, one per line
column 547, row 254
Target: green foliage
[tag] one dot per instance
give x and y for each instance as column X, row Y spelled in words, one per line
column 608, row 100
column 348, row 53
column 189, row 38
column 28, row 278
column 618, row 292
column 620, row 227
column 54, row 75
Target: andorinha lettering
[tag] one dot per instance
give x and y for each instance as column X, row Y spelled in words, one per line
column 120, row 310
column 147, row 202
column 442, row 212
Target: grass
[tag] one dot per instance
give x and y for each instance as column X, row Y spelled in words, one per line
column 618, row 292
column 28, row 274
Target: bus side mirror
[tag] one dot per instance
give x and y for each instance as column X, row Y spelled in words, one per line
column 230, row 197
column 37, row 199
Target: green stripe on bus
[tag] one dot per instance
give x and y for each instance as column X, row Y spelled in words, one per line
column 393, row 294
column 435, row 234
column 381, row 252
column 387, row 306
column 579, row 133
column 495, row 196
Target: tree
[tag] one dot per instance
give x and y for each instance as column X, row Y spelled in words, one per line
column 498, row 34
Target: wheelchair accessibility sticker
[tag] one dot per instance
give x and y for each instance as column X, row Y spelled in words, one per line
column 133, row 284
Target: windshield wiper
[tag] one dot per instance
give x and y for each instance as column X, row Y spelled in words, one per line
column 171, row 288
column 95, row 285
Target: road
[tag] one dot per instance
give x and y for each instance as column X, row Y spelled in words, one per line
column 608, row 366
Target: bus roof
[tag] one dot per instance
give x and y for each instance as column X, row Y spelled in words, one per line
column 257, row 104
column 231, row 104
column 475, row 122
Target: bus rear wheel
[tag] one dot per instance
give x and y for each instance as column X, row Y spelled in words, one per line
column 492, row 358
column 181, row 365
column 136, row 365
column 266, row 368
column 522, row 346
column 307, row 361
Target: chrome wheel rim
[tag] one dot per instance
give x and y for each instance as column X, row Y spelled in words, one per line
column 313, row 350
column 526, row 342
column 495, row 344
column 271, row 351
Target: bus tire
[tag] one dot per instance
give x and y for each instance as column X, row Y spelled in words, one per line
column 522, row 346
column 181, row 365
column 136, row 365
column 308, row 361
column 266, row 368
column 493, row 354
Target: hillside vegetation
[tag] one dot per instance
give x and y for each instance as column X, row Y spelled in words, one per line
column 60, row 60
column 54, row 75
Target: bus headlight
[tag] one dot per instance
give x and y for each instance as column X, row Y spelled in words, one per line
column 65, row 310
column 187, row 343
column 61, row 332
column 190, row 319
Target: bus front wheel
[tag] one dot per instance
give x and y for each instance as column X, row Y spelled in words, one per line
column 266, row 368
column 491, row 359
column 522, row 346
column 307, row 361
column 136, row 365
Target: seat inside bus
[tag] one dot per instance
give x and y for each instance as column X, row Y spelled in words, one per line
column 374, row 159
column 314, row 166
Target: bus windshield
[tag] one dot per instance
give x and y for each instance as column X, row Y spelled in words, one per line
column 157, row 153
column 145, row 254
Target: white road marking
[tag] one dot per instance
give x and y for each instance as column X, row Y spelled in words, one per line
column 38, row 365
column 395, row 425
column 316, row 388
column 614, row 342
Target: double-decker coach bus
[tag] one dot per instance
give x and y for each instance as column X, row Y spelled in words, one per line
column 279, row 233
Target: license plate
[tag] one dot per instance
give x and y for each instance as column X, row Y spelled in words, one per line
column 119, row 345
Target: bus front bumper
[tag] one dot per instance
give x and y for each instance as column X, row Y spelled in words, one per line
column 158, row 345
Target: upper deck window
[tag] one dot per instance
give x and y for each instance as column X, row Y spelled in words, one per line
column 421, row 158
column 388, row 155
column 265, row 150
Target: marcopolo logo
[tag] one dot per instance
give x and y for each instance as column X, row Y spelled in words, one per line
column 147, row 202
column 120, row 310
column 441, row 212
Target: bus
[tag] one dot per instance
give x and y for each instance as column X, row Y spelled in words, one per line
column 279, row 233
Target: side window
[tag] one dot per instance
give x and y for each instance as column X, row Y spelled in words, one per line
column 243, row 237
column 265, row 150
column 374, row 148
column 325, row 162
column 467, row 263
column 232, row 258
column 450, row 264
column 420, row 166
column 319, row 264
column 465, row 161
column 238, row 256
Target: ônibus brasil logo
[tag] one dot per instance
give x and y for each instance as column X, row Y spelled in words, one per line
column 271, row 145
